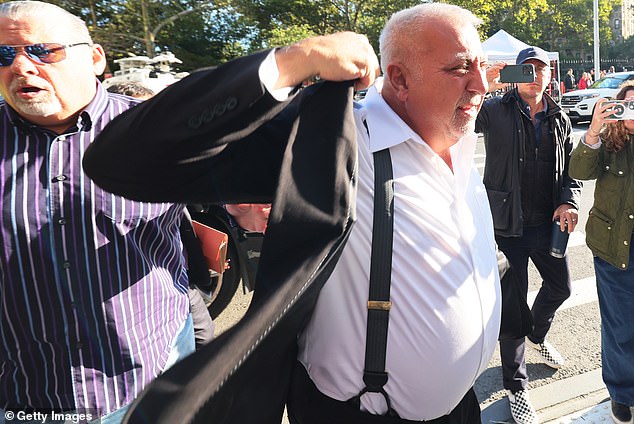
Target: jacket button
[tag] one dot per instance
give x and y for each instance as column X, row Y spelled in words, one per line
column 625, row 242
column 620, row 172
column 609, row 228
column 623, row 266
column 231, row 103
column 631, row 216
column 607, row 168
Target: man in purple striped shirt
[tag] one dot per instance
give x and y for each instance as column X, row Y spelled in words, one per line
column 93, row 291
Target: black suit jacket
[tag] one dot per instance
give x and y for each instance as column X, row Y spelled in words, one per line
column 218, row 136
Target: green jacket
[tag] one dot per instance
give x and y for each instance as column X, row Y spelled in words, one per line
column 611, row 219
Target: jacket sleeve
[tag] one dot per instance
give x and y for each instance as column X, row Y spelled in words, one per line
column 482, row 121
column 182, row 144
column 585, row 162
column 571, row 188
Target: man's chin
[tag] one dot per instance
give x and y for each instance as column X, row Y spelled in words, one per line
column 462, row 129
column 37, row 109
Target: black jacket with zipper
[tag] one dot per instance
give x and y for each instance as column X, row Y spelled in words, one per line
column 503, row 123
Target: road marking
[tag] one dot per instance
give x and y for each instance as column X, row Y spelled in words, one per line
column 577, row 238
column 583, row 291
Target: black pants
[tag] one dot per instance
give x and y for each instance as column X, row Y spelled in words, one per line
column 555, row 289
column 307, row 405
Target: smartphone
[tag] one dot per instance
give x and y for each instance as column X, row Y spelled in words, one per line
column 518, row 73
column 621, row 110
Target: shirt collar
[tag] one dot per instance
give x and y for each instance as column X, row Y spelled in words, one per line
column 527, row 108
column 95, row 108
column 387, row 129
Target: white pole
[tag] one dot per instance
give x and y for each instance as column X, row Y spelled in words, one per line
column 597, row 59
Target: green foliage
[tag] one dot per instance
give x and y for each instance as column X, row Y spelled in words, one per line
column 297, row 18
column 555, row 25
column 203, row 33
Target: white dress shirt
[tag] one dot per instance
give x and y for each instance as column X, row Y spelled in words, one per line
column 445, row 290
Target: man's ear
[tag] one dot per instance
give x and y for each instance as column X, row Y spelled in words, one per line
column 98, row 59
column 398, row 77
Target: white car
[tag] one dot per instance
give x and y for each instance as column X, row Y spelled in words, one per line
column 579, row 104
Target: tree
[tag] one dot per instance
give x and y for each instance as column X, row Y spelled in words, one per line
column 285, row 21
column 203, row 33
column 551, row 24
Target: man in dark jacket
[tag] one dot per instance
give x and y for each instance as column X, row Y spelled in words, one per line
column 569, row 81
column 527, row 138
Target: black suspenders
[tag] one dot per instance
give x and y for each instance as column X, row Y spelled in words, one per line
column 374, row 375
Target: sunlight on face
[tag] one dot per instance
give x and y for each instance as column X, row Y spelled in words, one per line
column 449, row 82
column 47, row 94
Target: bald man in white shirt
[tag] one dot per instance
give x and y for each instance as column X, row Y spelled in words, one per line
column 445, row 301
column 445, row 304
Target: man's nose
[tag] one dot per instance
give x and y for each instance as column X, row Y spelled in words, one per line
column 479, row 82
column 22, row 64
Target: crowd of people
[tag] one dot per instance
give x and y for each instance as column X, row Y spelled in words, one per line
column 585, row 79
column 95, row 299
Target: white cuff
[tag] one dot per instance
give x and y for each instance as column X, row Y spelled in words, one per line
column 269, row 73
column 591, row 146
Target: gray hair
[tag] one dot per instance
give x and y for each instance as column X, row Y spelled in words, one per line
column 131, row 88
column 409, row 21
column 20, row 10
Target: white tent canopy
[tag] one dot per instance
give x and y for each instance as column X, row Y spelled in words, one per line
column 503, row 47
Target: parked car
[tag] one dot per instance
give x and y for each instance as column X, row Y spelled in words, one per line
column 579, row 104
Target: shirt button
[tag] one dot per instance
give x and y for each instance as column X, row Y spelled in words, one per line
column 66, row 265
column 78, row 345
column 61, row 221
column 61, row 138
column 59, row 178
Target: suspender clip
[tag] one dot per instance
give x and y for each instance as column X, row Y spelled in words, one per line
column 380, row 305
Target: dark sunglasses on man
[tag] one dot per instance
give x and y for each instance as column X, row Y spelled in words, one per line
column 38, row 53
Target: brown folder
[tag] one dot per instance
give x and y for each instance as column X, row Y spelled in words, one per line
column 213, row 244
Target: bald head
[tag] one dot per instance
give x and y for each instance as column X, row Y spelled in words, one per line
column 409, row 27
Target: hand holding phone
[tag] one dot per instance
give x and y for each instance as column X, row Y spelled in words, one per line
column 621, row 110
column 518, row 73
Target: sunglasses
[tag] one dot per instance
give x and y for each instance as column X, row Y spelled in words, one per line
column 38, row 53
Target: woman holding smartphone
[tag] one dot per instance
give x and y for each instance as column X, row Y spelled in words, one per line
column 606, row 153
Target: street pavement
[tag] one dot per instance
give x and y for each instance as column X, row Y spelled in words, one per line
column 575, row 393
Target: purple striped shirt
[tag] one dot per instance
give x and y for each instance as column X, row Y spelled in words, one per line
column 92, row 285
